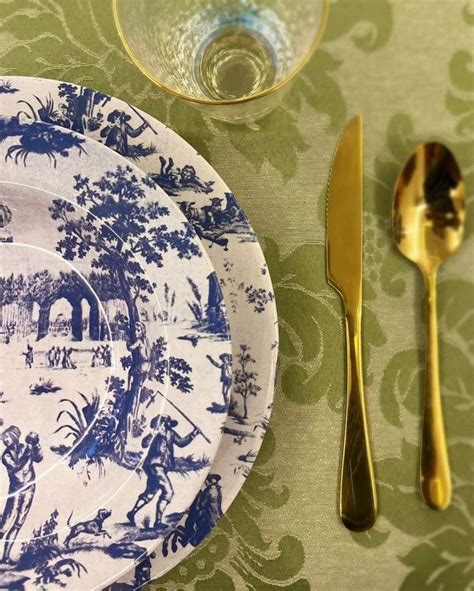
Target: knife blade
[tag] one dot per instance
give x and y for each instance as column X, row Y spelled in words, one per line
column 357, row 494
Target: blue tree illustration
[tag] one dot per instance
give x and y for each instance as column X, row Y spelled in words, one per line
column 245, row 379
column 133, row 226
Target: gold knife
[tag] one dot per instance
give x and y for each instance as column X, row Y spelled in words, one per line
column 358, row 497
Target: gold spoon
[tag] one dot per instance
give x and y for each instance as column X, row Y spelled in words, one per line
column 428, row 223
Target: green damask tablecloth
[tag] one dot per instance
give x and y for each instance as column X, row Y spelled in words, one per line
column 407, row 65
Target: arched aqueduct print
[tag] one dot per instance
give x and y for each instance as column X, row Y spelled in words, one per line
column 75, row 297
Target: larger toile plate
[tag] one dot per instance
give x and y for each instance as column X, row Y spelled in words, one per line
column 111, row 314
column 232, row 247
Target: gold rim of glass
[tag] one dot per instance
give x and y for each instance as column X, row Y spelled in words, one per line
column 244, row 99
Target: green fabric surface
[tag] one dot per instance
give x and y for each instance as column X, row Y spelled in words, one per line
column 408, row 66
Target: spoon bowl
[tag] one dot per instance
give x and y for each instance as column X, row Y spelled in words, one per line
column 428, row 225
column 429, row 207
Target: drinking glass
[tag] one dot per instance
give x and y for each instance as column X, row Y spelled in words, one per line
column 230, row 58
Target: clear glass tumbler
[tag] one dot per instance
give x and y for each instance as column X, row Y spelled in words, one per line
column 230, row 58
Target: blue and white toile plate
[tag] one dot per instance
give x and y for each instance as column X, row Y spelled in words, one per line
column 235, row 253
column 111, row 317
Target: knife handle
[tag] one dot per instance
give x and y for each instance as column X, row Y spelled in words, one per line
column 358, row 498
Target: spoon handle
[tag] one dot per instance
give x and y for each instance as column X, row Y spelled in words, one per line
column 434, row 468
column 358, row 501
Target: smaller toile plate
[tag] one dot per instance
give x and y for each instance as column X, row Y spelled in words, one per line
column 109, row 314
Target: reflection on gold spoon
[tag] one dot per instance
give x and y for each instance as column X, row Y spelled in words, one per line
column 428, row 224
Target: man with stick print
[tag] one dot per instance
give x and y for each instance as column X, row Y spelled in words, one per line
column 159, row 461
column 118, row 131
column 19, row 459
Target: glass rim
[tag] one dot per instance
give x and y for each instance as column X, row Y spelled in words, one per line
column 213, row 102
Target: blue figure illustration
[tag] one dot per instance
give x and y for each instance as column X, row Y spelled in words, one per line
column 29, row 356
column 173, row 179
column 143, row 571
column 217, row 322
column 101, row 356
column 226, row 374
column 203, row 515
column 158, row 463
column 211, row 222
column 141, row 364
column 66, row 358
column 167, row 178
column 19, row 459
column 57, row 356
column 50, row 357
column 118, row 131
column 203, row 224
column 106, row 356
column 232, row 212
column 188, row 179
column 214, row 215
